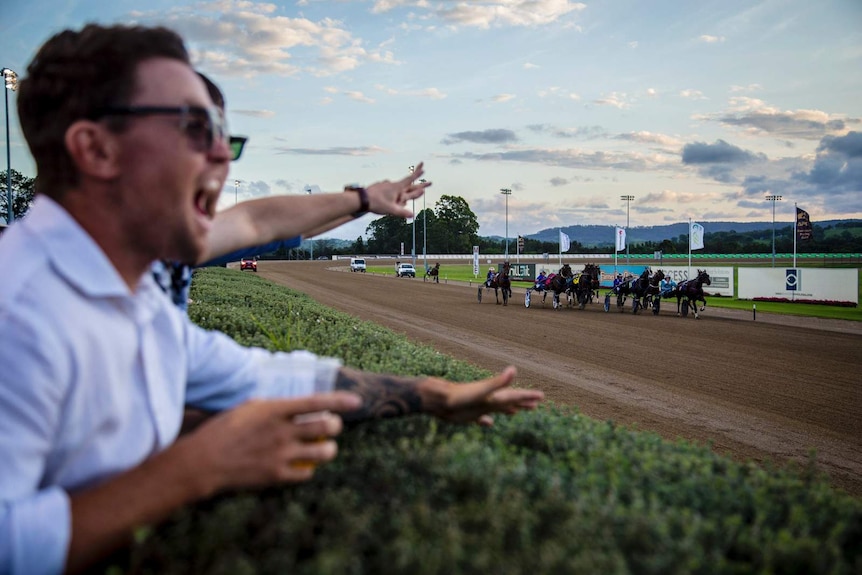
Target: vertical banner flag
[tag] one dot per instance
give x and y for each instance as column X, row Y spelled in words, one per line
column 696, row 236
column 565, row 242
column 621, row 239
column 475, row 261
column 804, row 231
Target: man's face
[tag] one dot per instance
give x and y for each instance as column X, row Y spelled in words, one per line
column 170, row 180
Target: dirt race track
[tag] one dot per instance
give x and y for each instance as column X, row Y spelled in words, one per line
column 771, row 389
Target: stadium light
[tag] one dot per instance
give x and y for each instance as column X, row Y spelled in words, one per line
column 310, row 240
column 507, row 192
column 10, row 78
column 413, row 249
column 773, row 199
column 628, row 200
column 424, row 229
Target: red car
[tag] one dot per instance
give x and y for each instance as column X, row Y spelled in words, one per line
column 248, row 264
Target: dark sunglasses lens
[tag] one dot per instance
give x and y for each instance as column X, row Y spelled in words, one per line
column 200, row 131
column 237, row 143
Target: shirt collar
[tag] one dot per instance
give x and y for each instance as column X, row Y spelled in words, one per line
column 74, row 254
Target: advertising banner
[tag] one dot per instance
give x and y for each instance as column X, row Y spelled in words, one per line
column 721, row 278
column 475, row 261
column 814, row 284
column 520, row 272
column 804, row 231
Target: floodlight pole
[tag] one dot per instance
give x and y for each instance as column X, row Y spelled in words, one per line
column 10, row 79
column 424, row 230
column 413, row 249
column 773, row 199
column 310, row 241
column 628, row 200
column 507, row 192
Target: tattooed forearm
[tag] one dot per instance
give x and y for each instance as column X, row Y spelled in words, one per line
column 383, row 395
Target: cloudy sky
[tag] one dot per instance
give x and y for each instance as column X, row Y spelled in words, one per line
column 697, row 109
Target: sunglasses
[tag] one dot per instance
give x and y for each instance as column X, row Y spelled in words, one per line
column 237, row 143
column 202, row 126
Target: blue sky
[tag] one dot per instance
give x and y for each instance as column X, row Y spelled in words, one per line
column 697, row 109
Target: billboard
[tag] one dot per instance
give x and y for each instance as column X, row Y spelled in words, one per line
column 721, row 277
column 800, row 284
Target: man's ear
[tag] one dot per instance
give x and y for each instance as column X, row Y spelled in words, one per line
column 93, row 148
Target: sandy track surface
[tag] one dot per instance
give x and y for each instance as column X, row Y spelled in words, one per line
column 771, row 389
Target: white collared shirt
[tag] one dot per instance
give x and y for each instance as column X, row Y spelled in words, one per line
column 94, row 378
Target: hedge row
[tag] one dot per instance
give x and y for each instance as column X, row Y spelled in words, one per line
column 545, row 492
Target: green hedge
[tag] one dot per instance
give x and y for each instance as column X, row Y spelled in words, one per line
column 545, row 492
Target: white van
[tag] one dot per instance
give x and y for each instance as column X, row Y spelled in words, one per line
column 357, row 265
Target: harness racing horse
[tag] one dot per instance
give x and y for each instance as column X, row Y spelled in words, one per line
column 587, row 284
column 433, row 273
column 623, row 290
column 500, row 282
column 562, row 282
column 556, row 283
column 644, row 289
column 689, row 292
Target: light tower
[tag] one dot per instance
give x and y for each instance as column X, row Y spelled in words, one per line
column 413, row 249
column 10, row 78
column 628, row 200
column 507, row 192
column 773, row 199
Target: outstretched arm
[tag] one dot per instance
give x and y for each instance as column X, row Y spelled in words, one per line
column 264, row 220
column 391, row 396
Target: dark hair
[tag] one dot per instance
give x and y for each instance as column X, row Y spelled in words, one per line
column 73, row 76
column 214, row 91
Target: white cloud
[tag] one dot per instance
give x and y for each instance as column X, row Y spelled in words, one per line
column 643, row 137
column 334, row 151
column 358, row 96
column 673, row 197
column 503, row 97
column 582, row 159
column 711, row 39
column 615, row 99
column 246, row 38
column 488, row 13
column 692, row 94
column 758, row 118
column 749, row 88
column 530, row 66
column 386, row 89
column 430, row 93
column 254, row 113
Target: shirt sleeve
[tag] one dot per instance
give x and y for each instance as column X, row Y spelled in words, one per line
column 223, row 374
column 35, row 523
column 35, row 533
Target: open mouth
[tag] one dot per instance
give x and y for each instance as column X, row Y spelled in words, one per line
column 206, row 199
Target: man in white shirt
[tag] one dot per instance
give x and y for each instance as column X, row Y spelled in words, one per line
column 98, row 364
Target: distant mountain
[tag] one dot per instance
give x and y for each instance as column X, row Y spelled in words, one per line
column 594, row 235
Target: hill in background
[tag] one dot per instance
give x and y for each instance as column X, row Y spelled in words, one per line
column 598, row 235
column 594, row 235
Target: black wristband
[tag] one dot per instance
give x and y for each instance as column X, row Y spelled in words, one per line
column 363, row 199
